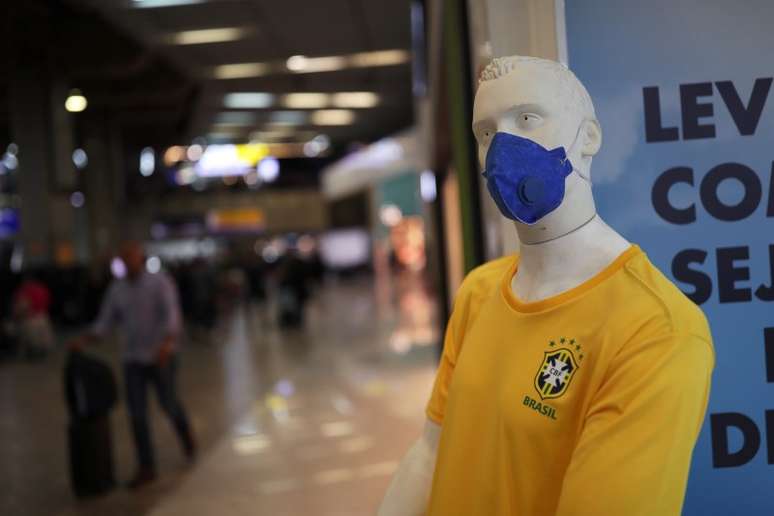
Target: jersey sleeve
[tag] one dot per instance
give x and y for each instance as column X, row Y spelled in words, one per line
column 634, row 452
column 475, row 288
column 436, row 408
column 464, row 310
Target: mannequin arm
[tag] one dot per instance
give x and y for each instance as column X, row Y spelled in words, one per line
column 409, row 490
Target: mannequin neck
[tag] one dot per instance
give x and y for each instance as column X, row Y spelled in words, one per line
column 564, row 249
column 577, row 209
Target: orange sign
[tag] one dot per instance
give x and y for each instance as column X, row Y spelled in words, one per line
column 238, row 219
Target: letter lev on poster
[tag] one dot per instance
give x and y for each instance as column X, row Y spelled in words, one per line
column 732, row 264
column 686, row 170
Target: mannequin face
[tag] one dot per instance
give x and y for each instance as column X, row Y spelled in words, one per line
column 529, row 102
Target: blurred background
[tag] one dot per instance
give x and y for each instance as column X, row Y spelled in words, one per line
column 304, row 173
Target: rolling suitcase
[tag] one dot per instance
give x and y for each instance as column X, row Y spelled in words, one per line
column 290, row 309
column 91, row 456
column 90, row 391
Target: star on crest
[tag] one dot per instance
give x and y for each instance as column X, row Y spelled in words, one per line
column 572, row 343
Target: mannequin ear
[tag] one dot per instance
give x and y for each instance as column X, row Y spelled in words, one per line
column 592, row 138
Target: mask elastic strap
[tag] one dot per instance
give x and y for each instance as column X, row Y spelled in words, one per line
column 570, row 149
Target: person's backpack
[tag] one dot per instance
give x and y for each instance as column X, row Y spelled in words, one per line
column 90, row 386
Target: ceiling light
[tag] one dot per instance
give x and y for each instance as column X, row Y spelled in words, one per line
column 269, row 169
column 174, row 154
column 235, row 118
column 306, row 100
column 276, row 133
column 241, row 70
column 153, row 264
column 333, row 117
column 303, row 64
column 355, row 99
column 296, row 63
column 76, row 102
column 246, row 100
column 147, row 161
column 194, row 152
column 323, row 141
column 80, row 159
column 152, row 4
column 316, row 146
column 379, row 58
column 221, row 136
column 287, row 117
column 203, row 36
column 77, row 199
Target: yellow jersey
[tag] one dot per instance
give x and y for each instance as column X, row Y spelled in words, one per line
column 587, row 403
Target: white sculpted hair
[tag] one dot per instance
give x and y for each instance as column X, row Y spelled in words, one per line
column 576, row 92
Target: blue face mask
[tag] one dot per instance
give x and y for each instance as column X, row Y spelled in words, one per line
column 525, row 179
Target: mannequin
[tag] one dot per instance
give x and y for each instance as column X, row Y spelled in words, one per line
column 566, row 250
column 531, row 100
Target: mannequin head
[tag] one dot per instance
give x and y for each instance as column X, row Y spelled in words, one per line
column 537, row 99
column 543, row 101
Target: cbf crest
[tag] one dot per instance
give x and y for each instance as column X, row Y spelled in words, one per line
column 560, row 363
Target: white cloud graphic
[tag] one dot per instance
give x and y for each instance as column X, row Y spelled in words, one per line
column 620, row 121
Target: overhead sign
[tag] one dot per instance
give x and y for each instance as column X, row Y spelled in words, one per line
column 230, row 160
column 238, row 219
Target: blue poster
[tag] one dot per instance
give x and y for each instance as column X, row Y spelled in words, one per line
column 683, row 92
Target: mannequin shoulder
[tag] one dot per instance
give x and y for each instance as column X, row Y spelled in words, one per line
column 485, row 278
column 680, row 313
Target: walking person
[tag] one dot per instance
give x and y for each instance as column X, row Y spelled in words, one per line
column 31, row 306
column 145, row 308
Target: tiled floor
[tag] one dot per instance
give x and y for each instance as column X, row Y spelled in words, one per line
column 311, row 422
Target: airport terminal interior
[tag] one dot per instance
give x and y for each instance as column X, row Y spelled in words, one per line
column 266, row 158
column 235, row 237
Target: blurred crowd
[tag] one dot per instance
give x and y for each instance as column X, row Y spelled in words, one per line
column 35, row 301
